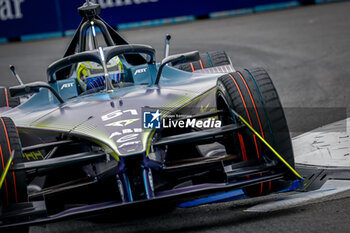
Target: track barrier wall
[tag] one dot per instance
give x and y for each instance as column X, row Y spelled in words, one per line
column 34, row 19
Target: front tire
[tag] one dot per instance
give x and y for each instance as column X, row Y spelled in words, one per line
column 14, row 189
column 252, row 94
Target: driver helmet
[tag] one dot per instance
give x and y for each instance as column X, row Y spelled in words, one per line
column 91, row 75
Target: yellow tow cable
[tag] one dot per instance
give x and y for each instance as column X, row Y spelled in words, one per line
column 268, row 145
column 4, row 173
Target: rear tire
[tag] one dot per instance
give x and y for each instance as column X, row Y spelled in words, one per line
column 208, row 60
column 14, row 189
column 252, row 94
column 6, row 100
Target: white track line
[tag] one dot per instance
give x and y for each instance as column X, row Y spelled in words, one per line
column 325, row 146
column 331, row 187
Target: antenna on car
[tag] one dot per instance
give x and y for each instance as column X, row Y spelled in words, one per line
column 108, row 81
column 13, row 69
column 167, row 45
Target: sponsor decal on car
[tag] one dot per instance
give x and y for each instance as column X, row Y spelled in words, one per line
column 123, row 122
column 151, row 120
column 154, row 120
column 125, row 131
column 139, row 71
column 128, row 139
column 67, row 85
column 34, row 155
column 191, row 123
column 117, row 113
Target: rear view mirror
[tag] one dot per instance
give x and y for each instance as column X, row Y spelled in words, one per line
column 31, row 88
column 180, row 58
column 174, row 59
column 23, row 90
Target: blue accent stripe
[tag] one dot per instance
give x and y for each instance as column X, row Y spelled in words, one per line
column 156, row 22
column 232, row 196
column 234, row 119
column 229, row 13
column 327, row 1
column 276, row 6
column 266, row 7
column 295, row 185
column 3, row 40
column 69, row 32
column 211, row 64
column 227, row 196
column 41, row 36
column 144, row 174
column 128, row 187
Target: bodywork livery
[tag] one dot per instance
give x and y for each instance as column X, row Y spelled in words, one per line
column 86, row 152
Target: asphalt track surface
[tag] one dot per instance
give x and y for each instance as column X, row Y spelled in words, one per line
column 306, row 51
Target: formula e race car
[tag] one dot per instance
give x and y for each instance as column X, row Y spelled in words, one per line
column 112, row 128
